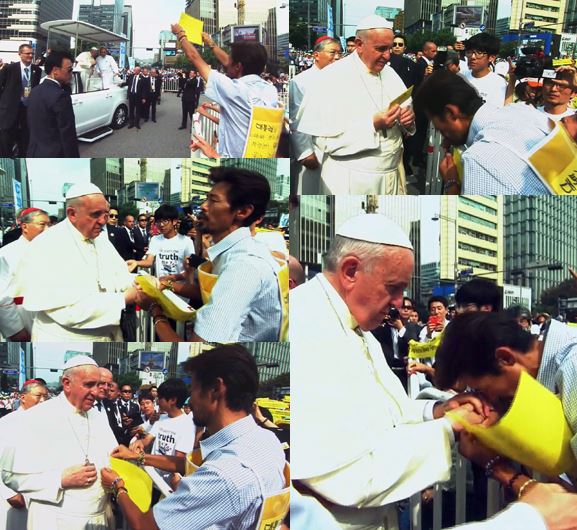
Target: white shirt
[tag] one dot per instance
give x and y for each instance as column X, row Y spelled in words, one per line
column 170, row 253
column 558, row 117
column 236, row 98
column 492, row 87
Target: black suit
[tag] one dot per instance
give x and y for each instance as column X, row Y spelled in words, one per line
column 111, row 411
column 189, row 100
column 154, row 96
column 140, row 242
column 112, row 232
column 13, row 111
column 137, row 92
column 384, row 334
column 405, row 68
column 51, row 122
column 414, row 145
column 125, row 245
column 198, row 89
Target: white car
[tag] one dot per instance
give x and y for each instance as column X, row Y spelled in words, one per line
column 97, row 110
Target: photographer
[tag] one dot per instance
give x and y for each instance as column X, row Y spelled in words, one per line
column 394, row 335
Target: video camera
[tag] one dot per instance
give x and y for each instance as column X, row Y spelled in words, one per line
column 530, row 64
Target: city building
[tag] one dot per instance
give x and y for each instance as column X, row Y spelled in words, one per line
column 20, row 23
column 387, row 12
column 471, row 239
column 109, row 353
column 194, row 182
column 399, row 24
column 282, row 188
column 107, row 174
column 502, row 26
column 539, row 233
column 430, row 279
column 205, row 10
column 127, row 29
column 270, row 39
column 167, row 48
column 282, row 43
column 547, row 14
column 129, row 362
column 264, row 166
column 418, row 14
column 14, row 189
column 146, row 169
column 272, row 358
column 105, row 14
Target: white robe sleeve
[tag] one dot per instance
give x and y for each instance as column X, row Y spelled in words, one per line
column 302, row 143
column 10, row 320
column 94, row 311
column 518, row 516
column 45, row 486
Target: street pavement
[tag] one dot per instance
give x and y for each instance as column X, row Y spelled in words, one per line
column 155, row 140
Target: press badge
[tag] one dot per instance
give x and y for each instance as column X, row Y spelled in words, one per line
column 26, row 91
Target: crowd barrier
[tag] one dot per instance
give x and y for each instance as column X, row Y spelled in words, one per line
column 495, row 500
column 170, row 84
column 435, row 152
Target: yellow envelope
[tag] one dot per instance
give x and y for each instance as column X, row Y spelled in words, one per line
column 137, row 482
column 533, row 432
column 173, row 306
column 399, row 100
column 264, row 132
column 192, row 27
column 192, row 462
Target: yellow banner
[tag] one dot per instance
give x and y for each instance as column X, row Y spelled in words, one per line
column 562, row 62
column 533, row 432
column 173, row 306
column 555, row 161
column 264, row 133
column 192, row 27
column 424, row 350
column 137, row 482
column 275, row 507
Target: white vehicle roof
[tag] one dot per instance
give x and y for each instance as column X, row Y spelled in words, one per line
column 82, row 30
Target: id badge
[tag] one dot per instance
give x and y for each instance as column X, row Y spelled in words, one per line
column 26, row 91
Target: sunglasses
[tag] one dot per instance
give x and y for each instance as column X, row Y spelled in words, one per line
column 113, row 216
column 407, row 307
column 398, row 44
column 126, row 391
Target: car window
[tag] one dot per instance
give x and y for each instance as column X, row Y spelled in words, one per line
column 94, row 84
column 74, row 83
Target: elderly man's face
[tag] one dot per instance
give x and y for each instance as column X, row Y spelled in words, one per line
column 105, row 383
column 375, row 51
column 36, row 394
column 90, row 215
column 81, row 389
column 329, row 54
column 371, row 293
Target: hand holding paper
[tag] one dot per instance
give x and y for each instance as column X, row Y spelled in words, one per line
column 192, row 27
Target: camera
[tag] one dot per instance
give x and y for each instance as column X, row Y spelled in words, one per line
column 394, row 313
column 531, row 64
column 186, row 225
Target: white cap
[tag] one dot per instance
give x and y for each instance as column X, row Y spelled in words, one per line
column 374, row 22
column 375, row 228
column 79, row 360
column 94, row 48
column 79, row 190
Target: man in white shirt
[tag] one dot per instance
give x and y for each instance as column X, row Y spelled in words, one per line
column 361, row 136
column 107, row 67
column 557, row 95
column 86, row 62
column 437, row 321
column 15, row 321
column 73, row 277
column 306, row 158
column 169, row 249
column 481, row 51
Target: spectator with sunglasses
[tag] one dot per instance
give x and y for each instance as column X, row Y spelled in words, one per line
column 50, row 115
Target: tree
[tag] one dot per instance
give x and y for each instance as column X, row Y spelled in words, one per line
column 508, row 49
column 127, row 209
column 550, row 296
column 131, row 378
column 415, row 41
column 266, row 389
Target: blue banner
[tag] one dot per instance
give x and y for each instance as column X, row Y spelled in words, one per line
column 22, row 369
column 330, row 22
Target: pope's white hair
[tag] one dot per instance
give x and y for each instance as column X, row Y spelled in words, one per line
column 363, row 34
column 367, row 252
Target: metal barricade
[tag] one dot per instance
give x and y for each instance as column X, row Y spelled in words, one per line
column 283, row 98
column 208, row 130
column 433, row 179
column 170, row 84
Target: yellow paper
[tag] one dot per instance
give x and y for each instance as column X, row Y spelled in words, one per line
column 264, row 133
column 399, row 100
column 206, row 280
column 424, row 350
column 137, row 482
column 458, row 160
column 192, row 462
column 533, row 432
column 275, row 507
column 172, row 306
column 555, row 161
column 562, row 62
column 192, row 27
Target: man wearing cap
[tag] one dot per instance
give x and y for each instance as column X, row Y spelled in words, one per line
column 13, row 512
column 393, row 451
column 306, row 159
column 350, row 113
column 107, row 67
column 60, row 481
column 15, row 321
column 74, row 278
column 86, row 62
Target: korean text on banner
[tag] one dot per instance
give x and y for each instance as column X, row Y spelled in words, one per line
column 264, row 132
column 192, row 27
column 424, row 350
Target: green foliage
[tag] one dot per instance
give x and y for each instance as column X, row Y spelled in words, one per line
column 549, row 297
column 127, row 209
column 130, row 378
column 298, row 33
column 265, row 389
column 415, row 41
column 508, row 49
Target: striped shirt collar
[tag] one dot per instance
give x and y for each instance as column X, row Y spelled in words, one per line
column 226, row 435
column 228, row 242
column 484, row 115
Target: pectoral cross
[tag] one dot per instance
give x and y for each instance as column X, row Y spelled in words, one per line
column 87, row 462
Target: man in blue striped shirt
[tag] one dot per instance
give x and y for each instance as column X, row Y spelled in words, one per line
column 242, row 463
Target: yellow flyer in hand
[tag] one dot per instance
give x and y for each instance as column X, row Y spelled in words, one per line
column 192, row 27
column 173, row 306
column 264, row 132
column 399, row 100
column 533, row 432
column 275, row 507
column 137, row 482
column 555, row 161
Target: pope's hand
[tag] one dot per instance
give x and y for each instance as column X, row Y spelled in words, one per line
column 474, row 403
column 407, row 117
column 17, row 501
column 387, row 119
column 79, row 476
column 122, row 451
column 310, row 162
column 137, row 447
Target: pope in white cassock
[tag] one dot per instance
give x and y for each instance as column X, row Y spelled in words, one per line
column 85, row 62
column 359, row 444
column 73, row 277
column 348, row 113
column 107, row 67
column 56, row 452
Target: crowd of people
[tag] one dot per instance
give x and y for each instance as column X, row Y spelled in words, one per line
column 73, row 281
column 377, row 143
column 70, row 482
column 353, row 324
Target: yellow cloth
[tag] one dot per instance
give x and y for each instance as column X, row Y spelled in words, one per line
column 533, row 432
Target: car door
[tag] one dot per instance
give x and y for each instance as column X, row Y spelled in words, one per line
column 91, row 107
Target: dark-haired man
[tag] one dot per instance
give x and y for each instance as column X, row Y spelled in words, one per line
column 241, row 462
column 438, row 309
column 478, row 294
column 16, row 82
column 237, row 92
column 50, row 115
column 498, row 140
column 245, row 303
